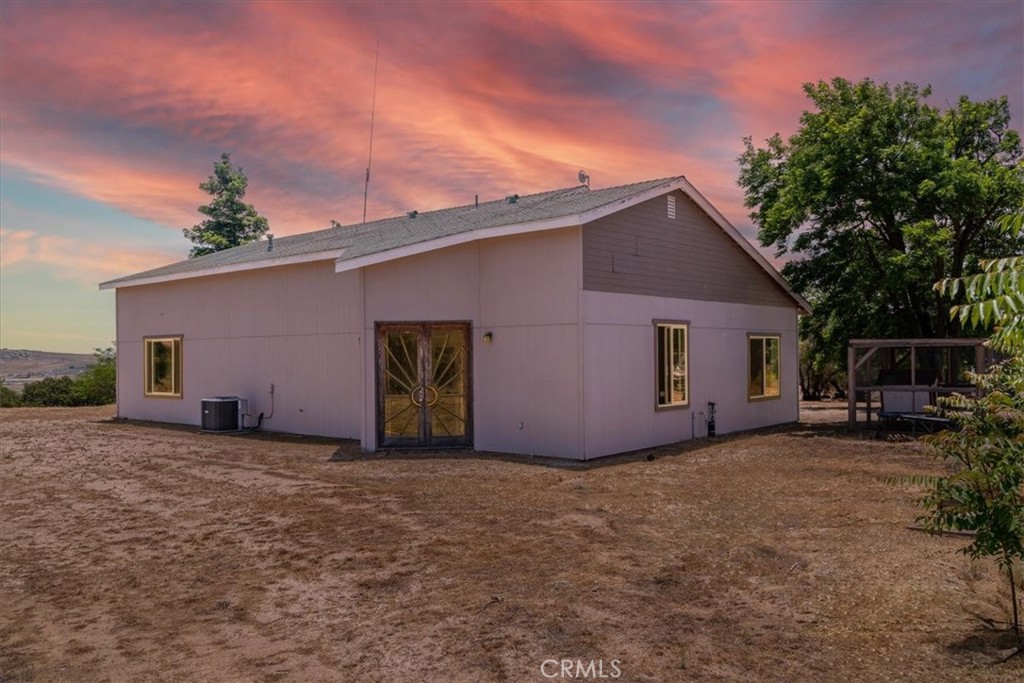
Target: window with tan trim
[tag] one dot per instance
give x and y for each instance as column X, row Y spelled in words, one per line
column 163, row 367
column 764, row 375
column 673, row 374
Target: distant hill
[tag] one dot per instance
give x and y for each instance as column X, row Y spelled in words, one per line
column 18, row 367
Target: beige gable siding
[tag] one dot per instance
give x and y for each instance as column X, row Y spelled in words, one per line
column 643, row 251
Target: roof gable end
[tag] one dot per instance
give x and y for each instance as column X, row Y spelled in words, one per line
column 357, row 246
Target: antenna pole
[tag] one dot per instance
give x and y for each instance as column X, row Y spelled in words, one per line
column 373, row 108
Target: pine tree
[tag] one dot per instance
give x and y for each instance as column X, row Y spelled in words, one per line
column 230, row 222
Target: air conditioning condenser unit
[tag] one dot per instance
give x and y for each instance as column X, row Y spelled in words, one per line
column 223, row 414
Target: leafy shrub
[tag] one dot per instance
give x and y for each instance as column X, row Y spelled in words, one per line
column 985, row 493
column 97, row 386
column 8, row 397
column 51, row 391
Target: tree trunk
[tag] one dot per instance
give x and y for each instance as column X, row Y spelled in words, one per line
column 1016, row 609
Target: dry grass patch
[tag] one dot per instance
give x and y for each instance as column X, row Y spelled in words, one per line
column 136, row 552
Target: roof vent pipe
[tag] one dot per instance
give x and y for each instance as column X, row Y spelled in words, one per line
column 270, row 242
column 476, row 201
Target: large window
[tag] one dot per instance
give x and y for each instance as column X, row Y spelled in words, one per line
column 764, row 373
column 163, row 367
column 671, row 365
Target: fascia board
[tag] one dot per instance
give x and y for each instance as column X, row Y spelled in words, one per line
column 230, row 268
column 342, row 266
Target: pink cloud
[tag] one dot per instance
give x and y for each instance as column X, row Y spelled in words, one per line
column 442, row 130
column 475, row 99
column 83, row 261
column 15, row 246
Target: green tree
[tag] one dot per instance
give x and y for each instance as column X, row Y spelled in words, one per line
column 230, row 222
column 985, row 493
column 51, row 391
column 819, row 372
column 877, row 196
column 97, row 386
column 9, row 398
column 995, row 295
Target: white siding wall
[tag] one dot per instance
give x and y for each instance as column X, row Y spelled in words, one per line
column 619, row 381
column 528, row 380
column 294, row 326
column 524, row 290
column 310, row 332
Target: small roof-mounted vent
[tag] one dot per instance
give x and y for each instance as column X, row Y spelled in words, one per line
column 270, row 242
column 512, row 198
column 413, row 214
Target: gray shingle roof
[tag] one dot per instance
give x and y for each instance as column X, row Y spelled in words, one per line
column 391, row 233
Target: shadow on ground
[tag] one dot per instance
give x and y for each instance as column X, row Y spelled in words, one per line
column 824, row 421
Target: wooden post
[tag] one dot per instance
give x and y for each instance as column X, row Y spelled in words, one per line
column 979, row 364
column 851, row 383
column 913, row 379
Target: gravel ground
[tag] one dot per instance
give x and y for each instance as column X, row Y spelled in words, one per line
column 136, row 552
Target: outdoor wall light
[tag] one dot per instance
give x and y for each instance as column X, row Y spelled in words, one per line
column 488, row 337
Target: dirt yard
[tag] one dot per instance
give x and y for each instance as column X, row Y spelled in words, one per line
column 134, row 552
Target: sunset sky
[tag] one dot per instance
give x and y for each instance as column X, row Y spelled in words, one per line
column 112, row 113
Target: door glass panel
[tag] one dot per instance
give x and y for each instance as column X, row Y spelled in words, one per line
column 403, row 390
column 445, row 393
column 423, row 380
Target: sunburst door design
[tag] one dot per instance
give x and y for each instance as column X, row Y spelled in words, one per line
column 423, row 385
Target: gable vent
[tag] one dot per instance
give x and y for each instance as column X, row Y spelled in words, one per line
column 671, row 206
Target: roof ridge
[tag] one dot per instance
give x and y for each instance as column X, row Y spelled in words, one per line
column 548, row 194
column 477, row 205
column 653, row 183
column 392, row 232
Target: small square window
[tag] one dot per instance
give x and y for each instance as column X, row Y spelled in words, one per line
column 764, row 376
column 673, row 373
column 163, row 367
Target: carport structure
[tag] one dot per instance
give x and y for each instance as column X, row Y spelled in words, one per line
column 908, row 374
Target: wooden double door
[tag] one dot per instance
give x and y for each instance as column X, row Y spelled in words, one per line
column 423, row 385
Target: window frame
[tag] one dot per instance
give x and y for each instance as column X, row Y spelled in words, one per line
column 684, row 325
column 177, row 372
column 763, row 336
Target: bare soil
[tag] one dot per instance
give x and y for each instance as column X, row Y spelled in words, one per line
column 139, row 552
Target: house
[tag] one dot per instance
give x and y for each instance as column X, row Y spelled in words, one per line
column 574, row 323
